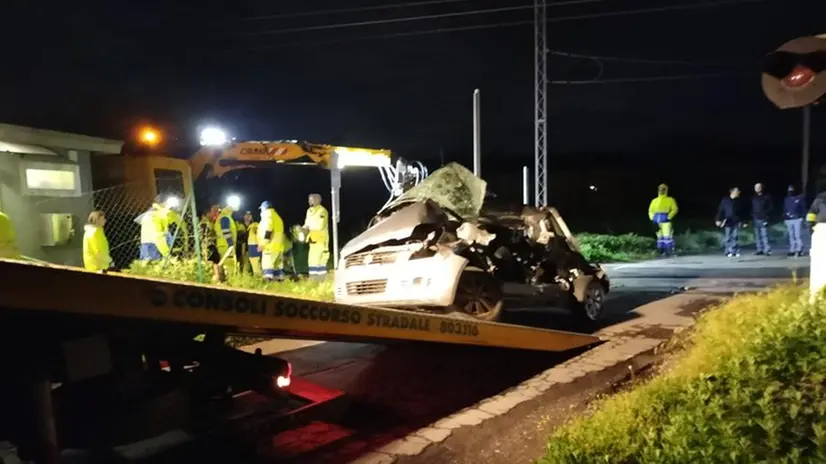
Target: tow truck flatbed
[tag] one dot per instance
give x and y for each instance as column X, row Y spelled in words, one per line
column 59, row 289
column 102, row 338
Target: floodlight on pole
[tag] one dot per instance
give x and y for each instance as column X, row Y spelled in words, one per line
column 213, row 136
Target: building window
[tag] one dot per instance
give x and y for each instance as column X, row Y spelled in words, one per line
column 50, row 179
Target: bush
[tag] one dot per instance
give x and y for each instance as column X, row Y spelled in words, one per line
column 749, row 387
column 616, row 248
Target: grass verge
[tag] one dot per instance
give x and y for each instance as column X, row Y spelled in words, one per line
column 748, row 386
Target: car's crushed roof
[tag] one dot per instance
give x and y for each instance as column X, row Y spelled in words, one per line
column 453, row 187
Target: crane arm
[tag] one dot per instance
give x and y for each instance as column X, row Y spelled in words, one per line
column 217, row 161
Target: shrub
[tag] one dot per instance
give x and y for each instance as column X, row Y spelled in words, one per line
column 748, row 388
column 616, row 248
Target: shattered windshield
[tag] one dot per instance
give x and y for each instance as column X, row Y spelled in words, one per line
column 453, row 187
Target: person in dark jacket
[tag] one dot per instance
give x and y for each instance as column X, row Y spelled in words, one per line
column 730, row 217
column 794, row 211
column 761, row 209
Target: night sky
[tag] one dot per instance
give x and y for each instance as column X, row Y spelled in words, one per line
column 266, row 70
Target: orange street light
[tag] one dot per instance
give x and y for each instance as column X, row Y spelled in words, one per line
column 150, row 136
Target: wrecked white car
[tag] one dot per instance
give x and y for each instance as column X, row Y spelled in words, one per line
column 441, row 247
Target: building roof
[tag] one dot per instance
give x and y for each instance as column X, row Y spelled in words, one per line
column 22, row 136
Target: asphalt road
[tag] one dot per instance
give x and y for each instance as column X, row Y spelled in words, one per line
column 399, row 388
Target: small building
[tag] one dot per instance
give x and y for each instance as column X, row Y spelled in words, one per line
column 46, row 188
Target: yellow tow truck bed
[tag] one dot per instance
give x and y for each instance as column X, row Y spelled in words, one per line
column 49, row 288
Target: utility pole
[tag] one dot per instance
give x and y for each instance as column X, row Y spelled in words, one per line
column 477, row 133
column 526, row 186
column 807, row 136
column 540, row 103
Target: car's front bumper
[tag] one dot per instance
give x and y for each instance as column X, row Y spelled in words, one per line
column 403, row 283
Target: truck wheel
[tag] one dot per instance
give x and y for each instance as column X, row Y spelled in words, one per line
column 592, row 301
column 478, row 295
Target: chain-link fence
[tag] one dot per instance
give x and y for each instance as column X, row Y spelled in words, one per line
column 124, row 207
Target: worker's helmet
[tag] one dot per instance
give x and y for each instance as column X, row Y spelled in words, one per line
column 264, row 205
column 790, row 72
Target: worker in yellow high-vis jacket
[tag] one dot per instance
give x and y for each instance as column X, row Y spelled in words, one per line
column 95, row 245
column 315, row 228
column 661, row 211
column 155, row 235
column 226, row 236
column 8, row 238
column 271, row 243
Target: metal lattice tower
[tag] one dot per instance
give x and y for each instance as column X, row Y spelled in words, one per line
column 541, row 103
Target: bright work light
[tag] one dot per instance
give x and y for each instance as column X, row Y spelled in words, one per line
column 213, row 136
column 173, row 202
column 234, row 202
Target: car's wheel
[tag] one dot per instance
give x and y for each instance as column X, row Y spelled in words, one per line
column 478, row 295
column 592, row 301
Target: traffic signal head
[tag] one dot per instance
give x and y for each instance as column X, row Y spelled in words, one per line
column 794, row 75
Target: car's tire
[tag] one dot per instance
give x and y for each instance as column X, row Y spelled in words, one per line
column 591, row 302
column 479, row 296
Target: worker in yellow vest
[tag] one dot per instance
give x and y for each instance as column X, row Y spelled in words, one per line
column 271, row 243
column 253, row 264
column 95, row 245
column 8, row 238
column 315, row 228
column 661, row 211
column 155, row 235
column 226, row 236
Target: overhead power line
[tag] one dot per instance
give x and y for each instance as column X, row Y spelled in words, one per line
column 352, row 10
column 606, row 14
column 650, row 79
column 413, row 18
column 647, row 61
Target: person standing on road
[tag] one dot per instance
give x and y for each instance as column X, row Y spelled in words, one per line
column 817, row 247
column 730, row 218
column 661, row 211
column 761, row 209
column 794, row 210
